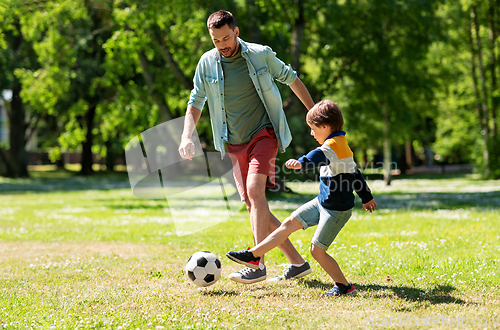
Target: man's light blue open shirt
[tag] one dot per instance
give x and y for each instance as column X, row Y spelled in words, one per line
column 263, row 67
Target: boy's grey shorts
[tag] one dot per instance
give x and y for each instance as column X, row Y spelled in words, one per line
column 329, row 222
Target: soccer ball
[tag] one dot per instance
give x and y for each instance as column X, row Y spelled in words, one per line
column 203, row 268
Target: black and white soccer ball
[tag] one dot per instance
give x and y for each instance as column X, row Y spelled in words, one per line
column 203, row 268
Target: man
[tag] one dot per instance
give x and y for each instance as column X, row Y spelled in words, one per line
column 246, row 111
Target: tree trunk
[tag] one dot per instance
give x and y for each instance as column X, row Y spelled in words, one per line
column 387, row 146
column 497, row 26
column 493, row 73
column 297, row 36
column 403, row 166
column 293, row 105
column 480, row 114
column 16, row 157
column 158, row 98
column 6, row 167
column 87, row 156
column 17, row 134
column 60, row 163
column 110, row 155
column 253, row 16
column 409, row 155
column 167, row 57
column 484, row 98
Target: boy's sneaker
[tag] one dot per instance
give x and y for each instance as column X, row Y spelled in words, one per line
column 344, row 291
column 244, row 257
column 294, row 272
column 248, row 275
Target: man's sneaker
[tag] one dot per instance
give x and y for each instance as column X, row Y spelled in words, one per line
column 294, row 272
column 244, row 257
column 336, row 291
column 248, row 275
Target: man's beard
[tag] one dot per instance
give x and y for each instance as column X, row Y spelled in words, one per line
column 230, row 51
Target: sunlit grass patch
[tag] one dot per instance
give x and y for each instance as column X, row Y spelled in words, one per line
column 86, row 253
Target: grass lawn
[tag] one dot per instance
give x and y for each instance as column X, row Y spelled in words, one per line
column 86, row 253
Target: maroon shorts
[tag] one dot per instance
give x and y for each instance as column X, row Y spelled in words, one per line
column 256, row 156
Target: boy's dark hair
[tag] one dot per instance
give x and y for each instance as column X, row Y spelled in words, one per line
column 327, row 113
column 221, row 18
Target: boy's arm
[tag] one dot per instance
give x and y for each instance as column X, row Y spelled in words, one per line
column 363, row 191
column 370, row 206
column 313, row 159
column 293, row 164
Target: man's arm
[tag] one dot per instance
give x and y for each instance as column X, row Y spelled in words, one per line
column 186, row 148
column 302, row 93
column 284, row 74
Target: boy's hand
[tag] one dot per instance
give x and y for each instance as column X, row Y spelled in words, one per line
column 293, row 164
column 370, row 206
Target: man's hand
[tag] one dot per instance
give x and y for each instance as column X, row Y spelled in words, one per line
column 370, row 206
column 186, row 148
column 293, row 164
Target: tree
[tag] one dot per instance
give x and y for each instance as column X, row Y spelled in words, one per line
column 15, row 53
column 373, row 64
column 69, row 38
column 468, row 87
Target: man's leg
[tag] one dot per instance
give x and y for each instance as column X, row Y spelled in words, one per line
column 263, row 222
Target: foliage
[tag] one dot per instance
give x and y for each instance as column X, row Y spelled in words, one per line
column 465, row 133
column 380, row 48
column 400, row 70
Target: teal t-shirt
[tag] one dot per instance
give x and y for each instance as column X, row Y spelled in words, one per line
column 245, row 112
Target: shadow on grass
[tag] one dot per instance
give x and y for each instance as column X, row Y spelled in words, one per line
column 393, row 202
column 53, row 182
column 314, row 284
column 162, row 204
column 440, row 294
column 416, row 200
column 441, row 200
column 220, row 293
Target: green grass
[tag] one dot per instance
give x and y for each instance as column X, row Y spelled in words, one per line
column 86, row 253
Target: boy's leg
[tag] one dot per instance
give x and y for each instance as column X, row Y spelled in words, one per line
column 329, row 264
column 277, row 237
column 304, row 216
column 330, row 224
column 342, row 286
column 252, row 257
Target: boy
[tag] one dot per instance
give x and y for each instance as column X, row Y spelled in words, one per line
column 332, row 208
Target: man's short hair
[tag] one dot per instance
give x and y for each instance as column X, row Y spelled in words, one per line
column 221, row 18
column 327, row 113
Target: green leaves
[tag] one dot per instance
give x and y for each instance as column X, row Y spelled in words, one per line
column 408, row 57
